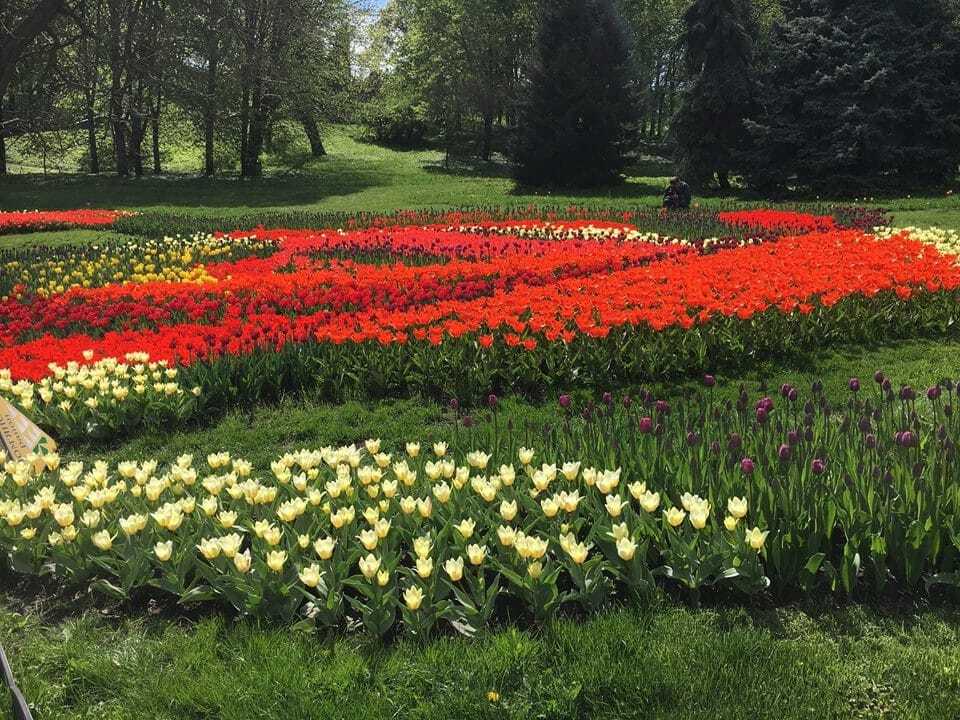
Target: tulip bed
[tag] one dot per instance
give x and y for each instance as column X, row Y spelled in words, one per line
column 619, row 498
column 452, row 310
column 37, row 221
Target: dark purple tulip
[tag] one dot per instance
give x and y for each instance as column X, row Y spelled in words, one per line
column 948, row 410
column 808, row 434
column 870, row 441
column 735, row 441
column 709, row 380
column 808, row 408
column 766, row 403
column 817, row 387
column 818, row 466
column 646, row 425
column 886, row 384
column 658, row 429
column 907, row 393
column 784, row 452
column 879, row 377
column 492, row 400
column 715, row 447
column 761, row 415
column 793, row 395
column 607, row 399
column 564, row 401
column 467, row 421
column 934, row 392
column 854, row 384
column 865, row 425
column 785, row 389
column 693, row 439
column 941, row 433
column 948, row 384
column 746, row 466
column 627, row 401
column 663, row 407
column 793, row 437
column 454, row 404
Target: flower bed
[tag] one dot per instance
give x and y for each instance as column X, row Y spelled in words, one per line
column 462, row 312
column 38, row 220
column 628, row 496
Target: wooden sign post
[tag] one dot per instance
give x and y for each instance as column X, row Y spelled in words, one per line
column 18, row 436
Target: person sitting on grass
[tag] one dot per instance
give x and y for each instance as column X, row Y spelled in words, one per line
column 677, row 196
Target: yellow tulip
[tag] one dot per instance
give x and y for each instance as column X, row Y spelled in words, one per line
column 276, row 559
column 737, row 507
column 476, row 554
column 242, row 562
column 324, row 547
column 730, row 523
column 755, row 538
column 454, row 568
column 163, row 550
column 369, row 566
column 674, row 516
column 626, row 548
column 103, row 540
column 310, row 576
column 413, row 597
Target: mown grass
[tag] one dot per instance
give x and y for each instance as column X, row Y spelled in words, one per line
column 663, row 661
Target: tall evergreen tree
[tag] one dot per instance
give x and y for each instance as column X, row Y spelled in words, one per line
column 577, row 111
column 858, row 95
column 718, row 40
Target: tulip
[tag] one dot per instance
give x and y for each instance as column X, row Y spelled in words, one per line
column 737, row 507
column 103, row 540
column 163, row 550
column 242, row 562
column 650, row 502
column 383, row 577
column 324, row 547
column 454, row 568
column 424, row 567
column 413, row 598
column 310, row 576
column 730, row 523
column 209, row 548
column 369, row 566
column 626, row 548
column 699, row 516
column 535, row 570
column 674, row 516
column 476, row 554
column 466, row 527
column 276, row 559
column 755, row 538
column 615, row 505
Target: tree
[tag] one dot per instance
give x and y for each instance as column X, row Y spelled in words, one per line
column 577, row 110
column 718, row 40
column 20, row 24
column 858, row 96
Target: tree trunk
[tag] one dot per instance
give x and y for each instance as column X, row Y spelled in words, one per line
column 155, row 132
column 210, row 106
column 487, row 140
column 312, row 130
column 723, row 179
column 92, row 149
column 3, row 141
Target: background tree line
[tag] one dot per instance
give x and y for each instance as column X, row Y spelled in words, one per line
column 776, row 94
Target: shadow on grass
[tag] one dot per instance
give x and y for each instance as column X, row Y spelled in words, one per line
column 289, row 187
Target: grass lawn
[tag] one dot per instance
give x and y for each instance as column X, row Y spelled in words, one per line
column 78, row 657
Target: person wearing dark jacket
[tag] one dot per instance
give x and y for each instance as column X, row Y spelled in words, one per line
column 677, row 196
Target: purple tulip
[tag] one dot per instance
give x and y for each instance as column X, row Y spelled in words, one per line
column 607, row 399
column 793, row 437
column 879, row 377
column 492, row 400
column 454, row 404
column 907, row 393
column 785, row 389
column 761, row 415
column 693, row 439
column 564, row 401
column 792, row 395
column 784, row 452
column 854, row 384
column 818, row 466
column 735, row 441
column 870, row 441
column 709, row 380
column 663, row 407
column 646, row 425
column 627, row 401
column 467, row 421
column 746, row 466
column 933, row 393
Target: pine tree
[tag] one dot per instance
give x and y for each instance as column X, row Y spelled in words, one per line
column 718, row 40
column 577, row 114
column 859, row 96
